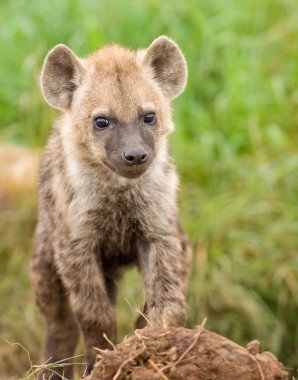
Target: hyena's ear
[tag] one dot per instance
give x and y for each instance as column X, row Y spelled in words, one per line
column 61, row 74
column 168, row 64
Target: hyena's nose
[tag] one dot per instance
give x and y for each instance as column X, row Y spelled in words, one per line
column 135, row 156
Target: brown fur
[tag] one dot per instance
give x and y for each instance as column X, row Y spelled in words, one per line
column 96, row 213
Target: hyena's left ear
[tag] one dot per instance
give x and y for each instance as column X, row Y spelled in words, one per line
column 168, row 64
column 61, row 75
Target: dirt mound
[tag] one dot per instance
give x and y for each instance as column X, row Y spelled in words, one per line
column 179, row 353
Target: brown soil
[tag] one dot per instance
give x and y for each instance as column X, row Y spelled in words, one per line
column 179, row 353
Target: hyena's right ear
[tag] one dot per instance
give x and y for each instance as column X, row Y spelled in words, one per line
column 61, row 75
column 168, row 64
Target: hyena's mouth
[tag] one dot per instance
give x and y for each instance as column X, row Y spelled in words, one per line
column 131, row 173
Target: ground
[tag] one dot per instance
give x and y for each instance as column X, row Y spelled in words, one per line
column 179, row 353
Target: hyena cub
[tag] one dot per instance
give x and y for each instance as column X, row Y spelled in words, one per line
column 108, row 194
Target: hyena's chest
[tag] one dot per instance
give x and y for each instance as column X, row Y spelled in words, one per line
column 118, row 223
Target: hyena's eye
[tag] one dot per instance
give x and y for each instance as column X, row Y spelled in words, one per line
column 149, row 118
column 100, row 122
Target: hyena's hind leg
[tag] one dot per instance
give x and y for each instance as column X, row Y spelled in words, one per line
column 62, row 330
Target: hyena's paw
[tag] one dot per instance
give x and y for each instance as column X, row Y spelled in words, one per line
column 168, row 314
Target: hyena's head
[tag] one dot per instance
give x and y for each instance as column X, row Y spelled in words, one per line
column 116, row 102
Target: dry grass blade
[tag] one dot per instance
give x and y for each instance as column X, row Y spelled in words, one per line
column 194, row 342
column 141, row 337
column 139, row 312
column 108, row 340
column 159, row 371
column 202, row 325
column 258, row 365
column 24, row 349
column 35, row 369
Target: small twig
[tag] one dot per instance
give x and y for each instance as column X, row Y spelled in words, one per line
column 34, row 369
column 154, row 366
column 141, row 337
column 258, row 365
column 196, row 338
column 60, row 362
column 139, row 312
column 163, row 334
column 118, row 373
column 85, row 372
column 193, row 343
column 109, row 341
column 100, row 350
column 49, row 366
column 202, row 325
column 39, row 368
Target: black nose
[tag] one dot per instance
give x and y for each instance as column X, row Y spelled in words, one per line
column 135, row 156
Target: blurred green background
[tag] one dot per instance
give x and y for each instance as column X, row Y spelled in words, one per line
column 235, row 147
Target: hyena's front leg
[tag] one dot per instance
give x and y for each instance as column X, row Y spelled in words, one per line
column 89, row 300
column 162, row 265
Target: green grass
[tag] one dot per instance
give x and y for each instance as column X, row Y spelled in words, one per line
column 235, row 146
